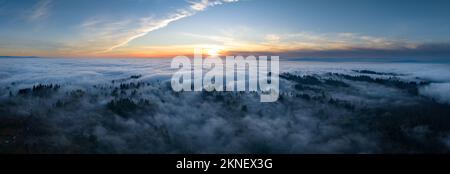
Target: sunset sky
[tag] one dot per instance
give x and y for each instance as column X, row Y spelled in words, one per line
column 167, row 28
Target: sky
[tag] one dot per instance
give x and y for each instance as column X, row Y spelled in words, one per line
column 168, row 28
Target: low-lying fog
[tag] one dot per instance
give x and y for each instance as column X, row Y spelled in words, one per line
column 128, row 106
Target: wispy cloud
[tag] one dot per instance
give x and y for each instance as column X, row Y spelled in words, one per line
column 40, row 10
column 199, row 6
column 150, row 24
column 310, row 44
column 306, row 41
column 339, row 41
column 101, row 36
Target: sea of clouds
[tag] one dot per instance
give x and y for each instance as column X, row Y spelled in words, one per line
column 85, row 115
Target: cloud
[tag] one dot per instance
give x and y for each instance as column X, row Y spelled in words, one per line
column 430, row 51
column 225, row 40
column 272, row 38
column 433, row 52
column 323, row 45
column 100, row 36
column 40, row 10
column 315, row 44
column 339, row 41
column 149, row 26
column 200, row 6
column 318, row 117
column 152, row 25
column 438, row 91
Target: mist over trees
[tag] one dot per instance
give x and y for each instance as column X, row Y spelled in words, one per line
column 362, row 112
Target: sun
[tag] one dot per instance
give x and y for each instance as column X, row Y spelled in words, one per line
column 214, row 52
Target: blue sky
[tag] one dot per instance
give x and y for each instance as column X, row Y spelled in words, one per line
column 165, row 28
